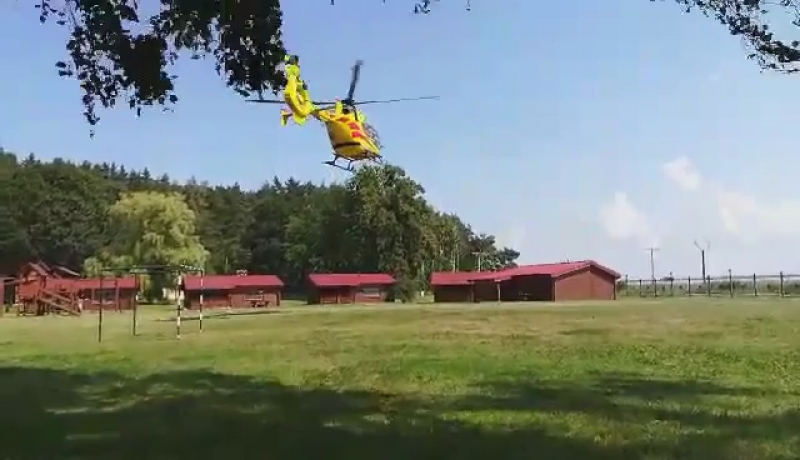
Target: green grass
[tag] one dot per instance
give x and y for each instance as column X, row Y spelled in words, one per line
column 667, row 379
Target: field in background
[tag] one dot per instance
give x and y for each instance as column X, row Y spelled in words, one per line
column 655, row 379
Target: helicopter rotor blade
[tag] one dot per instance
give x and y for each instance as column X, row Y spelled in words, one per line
column 387, row 101
column 266, row 101
column 354, row 80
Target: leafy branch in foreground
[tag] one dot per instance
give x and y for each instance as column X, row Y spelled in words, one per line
column 117, row 52
column 748, row 19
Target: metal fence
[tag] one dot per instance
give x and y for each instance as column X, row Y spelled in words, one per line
column 780, row 285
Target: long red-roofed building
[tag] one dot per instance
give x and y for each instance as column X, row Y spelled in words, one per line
column 40, row 287
column 580, row 280
column 345, row 288
column 232, row 291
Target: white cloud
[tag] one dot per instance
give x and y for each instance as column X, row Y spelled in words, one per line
column 741, row 215
column 621, row 220
column 682, row 172
column 744, row 216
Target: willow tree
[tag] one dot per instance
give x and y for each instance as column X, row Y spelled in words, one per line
column 150, row 229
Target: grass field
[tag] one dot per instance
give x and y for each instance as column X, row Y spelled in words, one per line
column 675, row 379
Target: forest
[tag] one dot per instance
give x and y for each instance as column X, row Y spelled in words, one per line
column 88, row 217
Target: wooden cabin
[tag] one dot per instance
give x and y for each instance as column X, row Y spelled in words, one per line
column 232, row 291
column 344, row 288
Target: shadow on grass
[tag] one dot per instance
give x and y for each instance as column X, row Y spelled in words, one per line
column 204, row 415
column 706, row 433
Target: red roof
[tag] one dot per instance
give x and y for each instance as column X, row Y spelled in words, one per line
column 350, row 279
column 556, row 270
column 228, row 282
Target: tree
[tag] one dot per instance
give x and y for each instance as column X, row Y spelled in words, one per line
column 155, row 229
column 393, row 225
column 104, row 216
column 60, row 208
column 118, row 54
column 222, row 224
column 151, row 228
column 14, row 245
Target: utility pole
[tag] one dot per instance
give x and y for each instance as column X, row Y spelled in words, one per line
column 703, row 250
column 653, row 251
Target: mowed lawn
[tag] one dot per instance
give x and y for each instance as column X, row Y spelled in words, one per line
column 689, row 379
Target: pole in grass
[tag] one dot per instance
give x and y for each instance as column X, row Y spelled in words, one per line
column 202, row 275
column 100, row 311
column 178, row 308
column 135, row 324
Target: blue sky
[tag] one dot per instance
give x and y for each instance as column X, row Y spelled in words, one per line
column 568, row 129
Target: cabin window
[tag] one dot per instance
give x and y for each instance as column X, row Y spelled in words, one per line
column 370, row 290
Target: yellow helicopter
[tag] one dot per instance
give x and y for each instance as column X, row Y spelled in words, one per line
column 351, row 137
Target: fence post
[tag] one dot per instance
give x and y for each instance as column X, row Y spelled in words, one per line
column 730, row 282
column 755, row 285
column 708, row 284
column 671, row 285
column 689, row 286
column 783, row 293
column 641, row 292
column 627, row 287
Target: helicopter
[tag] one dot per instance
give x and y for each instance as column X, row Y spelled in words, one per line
column 352, row 139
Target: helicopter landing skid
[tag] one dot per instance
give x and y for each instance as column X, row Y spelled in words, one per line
column 348, row 168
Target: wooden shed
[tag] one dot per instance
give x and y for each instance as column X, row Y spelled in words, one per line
column 232, row 291
column 346, row 288
column 583, row 280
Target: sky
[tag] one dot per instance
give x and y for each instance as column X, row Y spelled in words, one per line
column 570, row 130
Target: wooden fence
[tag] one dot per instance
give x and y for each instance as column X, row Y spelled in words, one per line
column 780, row 285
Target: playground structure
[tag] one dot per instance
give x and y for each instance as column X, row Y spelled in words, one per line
column 41, row 289
column 178, row 272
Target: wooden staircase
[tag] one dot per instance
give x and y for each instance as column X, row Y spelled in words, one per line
column 49, row 301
